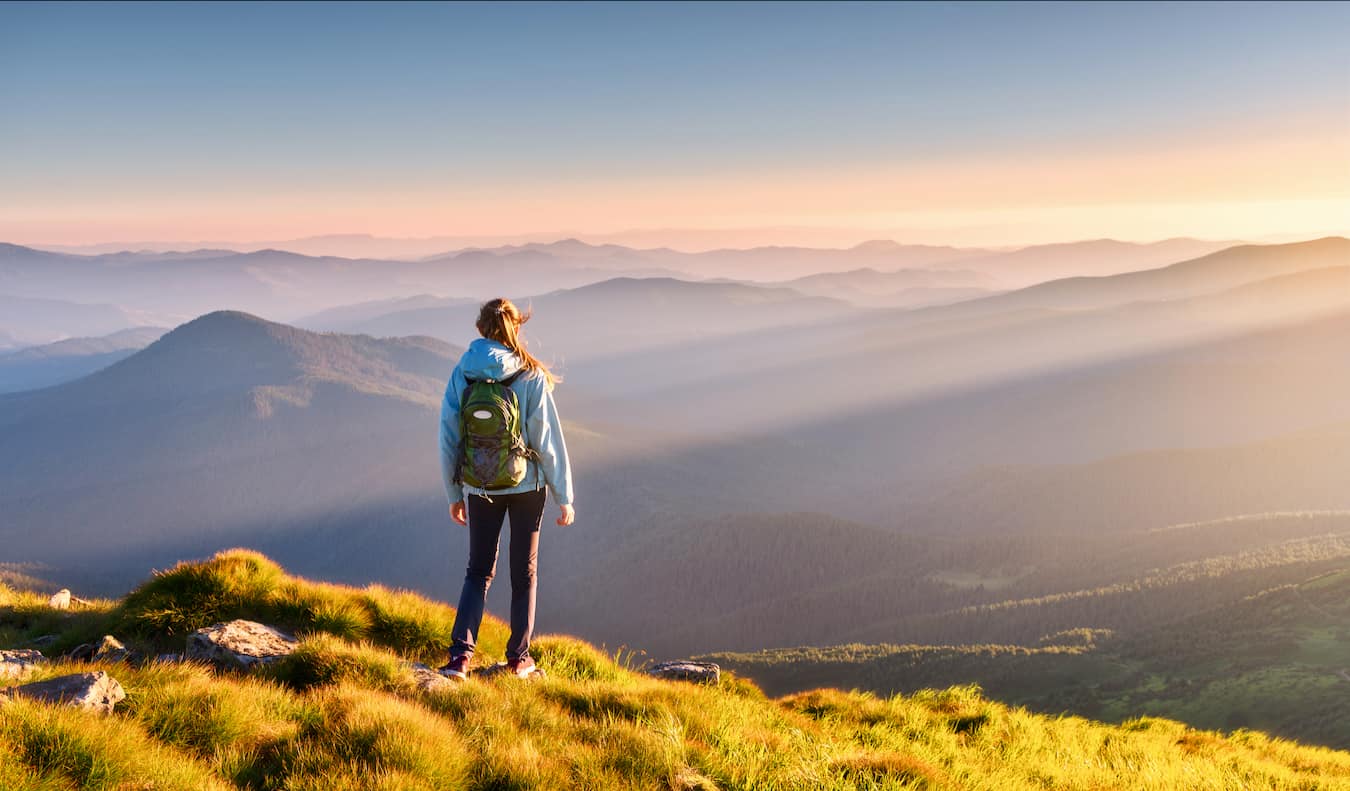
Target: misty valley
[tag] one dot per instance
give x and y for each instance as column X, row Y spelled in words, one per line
column 1101, row 478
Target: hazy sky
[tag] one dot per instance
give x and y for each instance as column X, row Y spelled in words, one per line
column 949, row 122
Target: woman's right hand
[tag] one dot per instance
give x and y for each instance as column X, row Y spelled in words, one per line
column 457, row 513
column 568, row 514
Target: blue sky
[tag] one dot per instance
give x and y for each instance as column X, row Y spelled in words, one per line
column 129, row 103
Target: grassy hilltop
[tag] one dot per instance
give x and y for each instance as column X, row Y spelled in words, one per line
column 343, row 713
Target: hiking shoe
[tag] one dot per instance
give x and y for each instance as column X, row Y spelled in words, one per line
column 523, row 667
column 457, row 668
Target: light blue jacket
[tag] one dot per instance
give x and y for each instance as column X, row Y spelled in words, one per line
column 488, row 359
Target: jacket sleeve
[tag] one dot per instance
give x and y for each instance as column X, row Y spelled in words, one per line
column 450, row 439
column 546, row 437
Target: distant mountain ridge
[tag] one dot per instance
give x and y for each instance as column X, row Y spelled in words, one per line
column 1095, row 257
column 621, row 314
column 230, row 349
column 54, row 363
column 348, row 315
column 169, row 287
column 34, row 321
column 904, row 288
column 773, row 262
column 1210, row 273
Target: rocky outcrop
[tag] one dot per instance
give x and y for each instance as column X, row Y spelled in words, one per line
column 239, row 644
column 17, row 664
column 90, row 691
column 700, row 672
column 60, row 600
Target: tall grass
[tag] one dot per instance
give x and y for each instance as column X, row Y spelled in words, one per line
column 343, row 712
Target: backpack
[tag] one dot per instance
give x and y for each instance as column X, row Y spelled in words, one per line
column 492, row 432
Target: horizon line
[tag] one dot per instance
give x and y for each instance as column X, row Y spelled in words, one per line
column 494, row 241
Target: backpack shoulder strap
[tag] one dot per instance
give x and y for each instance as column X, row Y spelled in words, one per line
column 507, row 381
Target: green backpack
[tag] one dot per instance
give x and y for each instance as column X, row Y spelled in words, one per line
column 494, row 446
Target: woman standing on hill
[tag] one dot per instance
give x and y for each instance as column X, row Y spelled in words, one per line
column 501, row 444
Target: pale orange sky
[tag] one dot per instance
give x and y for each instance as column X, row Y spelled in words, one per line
column 1261, row 187
column 995, row 124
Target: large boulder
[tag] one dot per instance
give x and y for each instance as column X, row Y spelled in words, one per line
column 686, row 670
column 91, row 691
column 239, row 644
column 17, row 664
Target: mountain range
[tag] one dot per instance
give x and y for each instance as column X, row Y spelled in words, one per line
column 287, row 285
column 996, row 470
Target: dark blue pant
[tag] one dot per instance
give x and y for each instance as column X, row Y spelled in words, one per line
column 485, row 527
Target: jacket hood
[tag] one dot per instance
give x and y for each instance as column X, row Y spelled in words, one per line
column 488, row 359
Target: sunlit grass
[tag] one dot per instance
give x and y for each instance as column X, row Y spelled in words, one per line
column 343, row 712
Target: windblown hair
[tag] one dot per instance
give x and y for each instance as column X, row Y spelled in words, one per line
column 500, row 320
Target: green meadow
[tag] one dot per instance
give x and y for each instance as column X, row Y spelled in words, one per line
column 343, row 712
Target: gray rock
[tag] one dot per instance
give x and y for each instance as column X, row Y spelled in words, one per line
column 91, row 691
column 239, row 644
column 17, row 664
column 427, row 679
column 109, row 649
column 112, row 650
column 700, row 672
column 60, row 600
column 46, row 639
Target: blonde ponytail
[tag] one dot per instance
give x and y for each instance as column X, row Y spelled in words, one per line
column 500, row 320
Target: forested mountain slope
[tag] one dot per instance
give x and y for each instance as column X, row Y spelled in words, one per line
column 1276, row 660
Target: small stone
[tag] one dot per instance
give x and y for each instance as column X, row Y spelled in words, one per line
column 90, row 691
column 17, row 664
column 239, row 644
column 699, row 672
column 46, row 639
column 427, row 679
column 112, row 650
column 60, row 600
